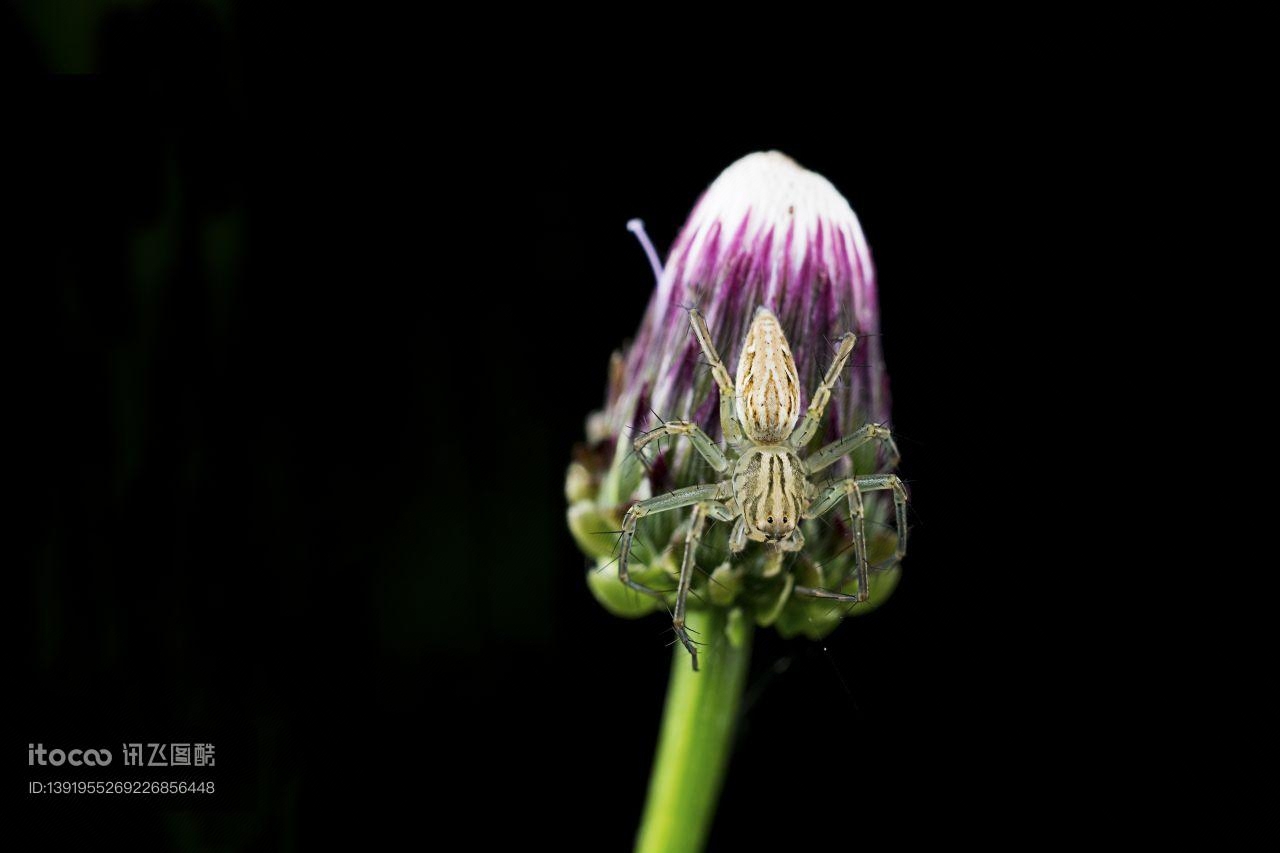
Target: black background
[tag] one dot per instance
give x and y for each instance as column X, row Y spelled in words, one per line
column 307, row 359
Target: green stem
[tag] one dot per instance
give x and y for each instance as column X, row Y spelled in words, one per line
column 697, row 729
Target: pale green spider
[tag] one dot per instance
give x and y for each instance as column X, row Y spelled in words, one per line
column 769, row 490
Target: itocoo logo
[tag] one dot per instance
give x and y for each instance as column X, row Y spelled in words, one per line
column 76, row 757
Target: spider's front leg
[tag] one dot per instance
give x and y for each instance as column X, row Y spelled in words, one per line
column 729, row 425
column 804, row 432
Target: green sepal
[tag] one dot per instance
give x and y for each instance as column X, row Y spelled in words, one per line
column 725, row 584
column 595, row 533
column 881, row 547
column 618, row 598
column 812, row 617
column 769, row 606
column 624, row 475
column 577, row 484
column 738, row 628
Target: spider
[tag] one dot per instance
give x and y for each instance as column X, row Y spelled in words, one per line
column 767, row 488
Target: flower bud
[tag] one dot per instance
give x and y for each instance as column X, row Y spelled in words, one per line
column 766, row 233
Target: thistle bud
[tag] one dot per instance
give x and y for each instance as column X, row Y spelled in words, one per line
column 766, row 233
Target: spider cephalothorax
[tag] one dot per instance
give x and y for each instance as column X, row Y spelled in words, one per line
column 767, row 490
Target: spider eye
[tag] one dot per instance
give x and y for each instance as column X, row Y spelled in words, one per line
column 771, row 519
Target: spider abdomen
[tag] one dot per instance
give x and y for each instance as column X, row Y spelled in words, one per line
column 768, row 401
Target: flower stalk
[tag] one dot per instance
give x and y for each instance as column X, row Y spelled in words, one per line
column 697, row 733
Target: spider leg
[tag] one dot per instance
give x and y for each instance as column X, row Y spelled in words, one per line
column 697, row 524
column 818, row 592
column 850, row 490
column 854, row 487
column 802, row 434
column 738, row 538
column 659, row 503
column 847, row 444
column 720, row 512
column 728, row 423
column 885, row 482
column 701, row 441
